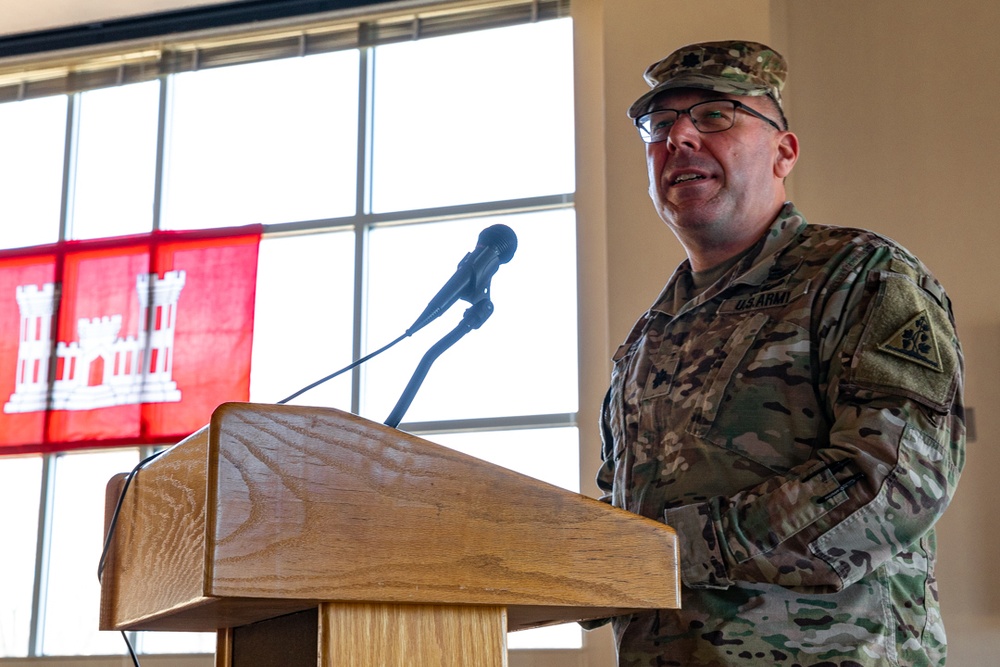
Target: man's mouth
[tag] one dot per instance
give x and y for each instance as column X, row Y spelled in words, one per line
column 684, row 178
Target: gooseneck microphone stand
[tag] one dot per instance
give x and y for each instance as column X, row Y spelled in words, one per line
column 473, row 318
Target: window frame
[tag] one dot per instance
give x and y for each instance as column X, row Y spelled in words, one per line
column 361, row 223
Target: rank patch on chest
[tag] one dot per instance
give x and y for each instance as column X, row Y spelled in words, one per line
column 915, row 341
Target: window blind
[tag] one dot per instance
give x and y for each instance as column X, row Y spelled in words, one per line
column 89, row 68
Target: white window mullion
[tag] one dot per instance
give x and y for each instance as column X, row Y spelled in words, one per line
column 161, row 143
column 42, row 552
column 69, row 166
column 366, row 77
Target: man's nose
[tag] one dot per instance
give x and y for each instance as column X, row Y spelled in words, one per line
column 683, row 133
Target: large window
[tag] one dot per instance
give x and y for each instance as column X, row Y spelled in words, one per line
column 372, row 169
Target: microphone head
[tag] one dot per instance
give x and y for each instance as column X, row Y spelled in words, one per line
column 500, row 237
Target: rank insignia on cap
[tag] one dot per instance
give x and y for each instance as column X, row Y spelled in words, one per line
column 915, row 342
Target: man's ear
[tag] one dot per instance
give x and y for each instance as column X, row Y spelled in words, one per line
column 787, row 154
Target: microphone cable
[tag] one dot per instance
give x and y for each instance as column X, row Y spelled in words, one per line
column 111, row 531
column 113, row 523
column 350, row 366
column 496, row 245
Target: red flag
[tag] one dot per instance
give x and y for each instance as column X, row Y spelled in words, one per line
column 133, row 340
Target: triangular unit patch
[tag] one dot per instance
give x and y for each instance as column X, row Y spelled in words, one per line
column 915, row 341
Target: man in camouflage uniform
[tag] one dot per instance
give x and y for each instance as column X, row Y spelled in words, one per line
column 790, row 405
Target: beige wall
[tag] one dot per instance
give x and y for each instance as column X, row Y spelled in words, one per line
column 900, row 132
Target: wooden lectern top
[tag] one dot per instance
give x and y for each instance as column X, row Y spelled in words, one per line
column 274, row 509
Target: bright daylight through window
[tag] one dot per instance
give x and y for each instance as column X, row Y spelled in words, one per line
column 372, row 171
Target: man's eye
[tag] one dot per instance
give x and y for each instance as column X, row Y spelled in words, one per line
column 713, row 114
column 662, row 124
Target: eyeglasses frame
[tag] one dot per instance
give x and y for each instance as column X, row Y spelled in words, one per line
column 680, row 112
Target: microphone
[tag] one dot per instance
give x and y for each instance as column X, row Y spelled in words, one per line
column 471, row 282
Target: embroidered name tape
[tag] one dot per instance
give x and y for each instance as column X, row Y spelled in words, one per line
column 768, row 299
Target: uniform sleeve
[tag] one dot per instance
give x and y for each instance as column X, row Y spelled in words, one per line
column 891, row 380
column 606, row 474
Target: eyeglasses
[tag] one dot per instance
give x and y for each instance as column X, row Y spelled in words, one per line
column 707, row 117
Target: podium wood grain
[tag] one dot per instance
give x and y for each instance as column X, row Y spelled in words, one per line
column 443, row 636
column 271, row 510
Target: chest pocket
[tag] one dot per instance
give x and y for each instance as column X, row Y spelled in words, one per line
column 709, row 400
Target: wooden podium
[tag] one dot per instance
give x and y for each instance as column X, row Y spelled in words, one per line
column 310, row 536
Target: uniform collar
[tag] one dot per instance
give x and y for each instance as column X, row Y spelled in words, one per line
column 751, row 270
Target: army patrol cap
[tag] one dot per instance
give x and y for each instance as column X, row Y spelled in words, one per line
column 734, row 67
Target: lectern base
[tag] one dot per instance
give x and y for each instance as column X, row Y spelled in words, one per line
column 371, row 635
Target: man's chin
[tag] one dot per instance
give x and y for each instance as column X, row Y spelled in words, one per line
column 693, row 218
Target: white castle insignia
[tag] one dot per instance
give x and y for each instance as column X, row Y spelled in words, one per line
column 102, row 369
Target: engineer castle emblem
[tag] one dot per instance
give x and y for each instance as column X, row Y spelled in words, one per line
column 102, row 368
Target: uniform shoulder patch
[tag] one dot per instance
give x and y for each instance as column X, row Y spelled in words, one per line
column 916, row 341
column 907, row 345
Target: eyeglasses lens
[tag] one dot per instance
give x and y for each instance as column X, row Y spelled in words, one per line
column 711, row 116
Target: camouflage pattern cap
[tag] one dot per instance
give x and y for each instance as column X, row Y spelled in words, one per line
column 734, row 67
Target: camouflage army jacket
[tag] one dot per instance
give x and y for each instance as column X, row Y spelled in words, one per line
column 800, row 425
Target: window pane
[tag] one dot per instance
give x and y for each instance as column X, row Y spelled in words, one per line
column 116, row 161
column 565, row 636
column 32, row 141
column 72, row 600
column 175, row 642
column 481, row 116
column 551, row 455
column 20, row 487
column 277, row 142
column 303, row 319
column 262, row 143
column 522, row 361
